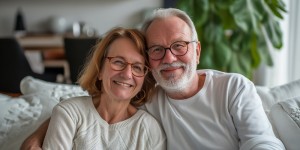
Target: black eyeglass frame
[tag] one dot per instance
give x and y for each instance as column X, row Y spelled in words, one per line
column 166, row 48
column 127, row 63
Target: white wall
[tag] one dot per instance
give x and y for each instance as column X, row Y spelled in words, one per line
column 294, row 40
column 99, row 14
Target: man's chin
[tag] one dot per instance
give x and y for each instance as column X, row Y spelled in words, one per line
column 172, row 88
column 170, row 82
column 171, row 85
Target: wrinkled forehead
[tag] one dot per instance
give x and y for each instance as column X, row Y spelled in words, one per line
column 167, row 31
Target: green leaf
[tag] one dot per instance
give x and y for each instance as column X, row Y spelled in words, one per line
column 254, row 52
column 196, row 9
column 235, row 40
column 247, row 14
column 274, row 33
column 222, row 54
column 276, row 6
column 227, row 20
column 206, row 58
column 241, row 64
column 245, row 62
column 213, row 33
column 264, row 51
column 234, row 65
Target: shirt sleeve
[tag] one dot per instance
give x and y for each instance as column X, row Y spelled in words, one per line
column 61, row 130
column 253, row 127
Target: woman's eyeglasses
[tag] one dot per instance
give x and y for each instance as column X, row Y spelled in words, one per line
column 119, row 64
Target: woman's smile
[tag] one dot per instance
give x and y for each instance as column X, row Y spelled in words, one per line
column 123, row 84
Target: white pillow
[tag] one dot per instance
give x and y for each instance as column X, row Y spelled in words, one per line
column 21, row 116
column 58, row 91
column 286, row 91
column 285, row 118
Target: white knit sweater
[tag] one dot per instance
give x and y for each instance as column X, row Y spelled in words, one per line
column 75, row 124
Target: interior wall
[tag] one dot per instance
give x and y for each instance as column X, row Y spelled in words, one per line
column 99, row 14
column 294, row 44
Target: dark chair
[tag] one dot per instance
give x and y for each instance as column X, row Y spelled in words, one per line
column 76, row 51
column 15, row 66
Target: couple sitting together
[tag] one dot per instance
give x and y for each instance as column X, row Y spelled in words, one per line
column 132, row 74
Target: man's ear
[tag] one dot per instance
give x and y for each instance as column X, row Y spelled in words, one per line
column 198, row 51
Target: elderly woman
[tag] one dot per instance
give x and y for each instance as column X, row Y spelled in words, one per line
column 118, row 80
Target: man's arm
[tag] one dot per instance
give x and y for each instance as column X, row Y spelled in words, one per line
column 250, row 120
column 35, row 140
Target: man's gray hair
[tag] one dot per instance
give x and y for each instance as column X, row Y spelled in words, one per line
column 161, row 13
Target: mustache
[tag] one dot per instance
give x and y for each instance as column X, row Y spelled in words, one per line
column 168, row 65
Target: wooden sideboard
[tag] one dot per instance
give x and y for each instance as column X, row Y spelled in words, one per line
column 41, row 42
column 51, row 48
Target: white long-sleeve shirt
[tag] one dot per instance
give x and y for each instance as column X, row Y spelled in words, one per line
column 226, row 114
column 76, row 124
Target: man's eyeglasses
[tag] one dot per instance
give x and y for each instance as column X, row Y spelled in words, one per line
column 119, row 64
column 178, row 48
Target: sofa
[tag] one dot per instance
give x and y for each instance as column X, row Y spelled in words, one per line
column 20, row 116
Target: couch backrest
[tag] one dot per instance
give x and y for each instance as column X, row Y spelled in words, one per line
column 282, row 106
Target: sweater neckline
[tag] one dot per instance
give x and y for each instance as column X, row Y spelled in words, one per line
column 120, row 124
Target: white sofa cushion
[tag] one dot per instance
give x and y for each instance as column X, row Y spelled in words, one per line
column 271, row 96
column 286, row 91
column 21, row 116
column 57, row 91
column 285, row 118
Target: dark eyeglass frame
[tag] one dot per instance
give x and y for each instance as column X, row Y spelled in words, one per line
column 169, row 48
column 147, row 69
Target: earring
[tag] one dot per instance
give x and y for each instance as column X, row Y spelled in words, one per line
column 143, row 93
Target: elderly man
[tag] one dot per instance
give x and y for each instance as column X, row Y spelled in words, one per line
column 203, row 109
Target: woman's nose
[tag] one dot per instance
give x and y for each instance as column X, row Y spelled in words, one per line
column 127, row 72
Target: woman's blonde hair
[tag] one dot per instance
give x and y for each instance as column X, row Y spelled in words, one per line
column 89, row 75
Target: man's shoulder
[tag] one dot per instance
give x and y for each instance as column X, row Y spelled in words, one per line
column 146, row 116
column 215, row 77
column 215, row 74
column 218, row 73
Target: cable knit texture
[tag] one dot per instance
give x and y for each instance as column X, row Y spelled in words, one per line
column 76, row 124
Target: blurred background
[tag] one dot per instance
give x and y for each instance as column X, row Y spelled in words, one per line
column 274, row 65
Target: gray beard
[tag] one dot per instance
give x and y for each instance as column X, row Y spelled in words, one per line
column 172, row 85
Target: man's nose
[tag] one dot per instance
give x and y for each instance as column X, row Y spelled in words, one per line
column 169, row 57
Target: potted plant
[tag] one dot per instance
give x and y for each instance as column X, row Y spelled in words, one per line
column 234, row 34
